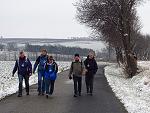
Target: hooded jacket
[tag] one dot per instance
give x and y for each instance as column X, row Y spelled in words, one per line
column 51, row 70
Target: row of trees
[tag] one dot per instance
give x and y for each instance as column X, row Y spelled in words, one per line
column 1, row 47
column 55, row 49
column 115, row 22
column 141, row 49
column 9, row 47
column 58, row 49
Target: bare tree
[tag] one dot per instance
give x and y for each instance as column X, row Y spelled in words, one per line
column 117, row 21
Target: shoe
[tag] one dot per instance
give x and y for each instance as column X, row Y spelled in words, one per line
column 91, row 94
column 87, row 92
column 39, row 93
column 79, row 94
column 47, row 96
column 42, row 94
column 75, row 95
column 27, row 93
column 19, row 95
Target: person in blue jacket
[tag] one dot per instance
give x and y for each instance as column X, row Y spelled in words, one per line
column 40, row 62
column 24, row 67
column 51, row 69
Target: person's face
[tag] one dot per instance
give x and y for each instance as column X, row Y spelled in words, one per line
column 76, row 58
column 43, row 52
column 91, row 56
column 22, row 55
column 50, row 60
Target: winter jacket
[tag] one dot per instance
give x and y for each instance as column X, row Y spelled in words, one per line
column 51, row 71
column 91, row 66
column 40, row 62
column 23, row 65
column 76, row 68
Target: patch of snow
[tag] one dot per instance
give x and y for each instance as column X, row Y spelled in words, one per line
column 135, row 92
column 104, row 63
column 125, row 35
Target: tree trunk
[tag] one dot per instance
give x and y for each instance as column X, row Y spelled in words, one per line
column 119, row 55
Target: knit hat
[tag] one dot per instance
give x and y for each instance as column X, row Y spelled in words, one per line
column 77, row 55
column 50, row 57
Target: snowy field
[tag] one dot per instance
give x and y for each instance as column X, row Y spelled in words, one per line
column 95, row 45
column 135, row 92
column 9, row 84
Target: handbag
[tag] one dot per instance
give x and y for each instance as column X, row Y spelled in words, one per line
column 84, row 72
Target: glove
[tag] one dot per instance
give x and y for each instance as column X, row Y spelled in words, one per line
column 70, row 77
column 30, row 74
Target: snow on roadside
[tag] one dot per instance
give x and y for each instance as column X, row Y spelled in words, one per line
column 9, row 84
column 104, row 63
column 135, row 92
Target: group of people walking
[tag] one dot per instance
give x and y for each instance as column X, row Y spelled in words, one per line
column 48, row 69
column 47, row 72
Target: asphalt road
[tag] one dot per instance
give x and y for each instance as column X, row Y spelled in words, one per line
column 62, row 101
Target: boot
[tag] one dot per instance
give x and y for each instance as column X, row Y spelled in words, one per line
column 19, row 95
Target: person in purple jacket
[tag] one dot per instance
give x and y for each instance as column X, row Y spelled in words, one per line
column 24, row 68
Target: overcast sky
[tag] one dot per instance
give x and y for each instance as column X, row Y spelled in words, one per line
column 48, row 18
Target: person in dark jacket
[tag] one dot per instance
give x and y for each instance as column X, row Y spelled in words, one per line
column 40, row 62
column 24, row 67
column 76, row 71
column 91, row 69
column 51, row 69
